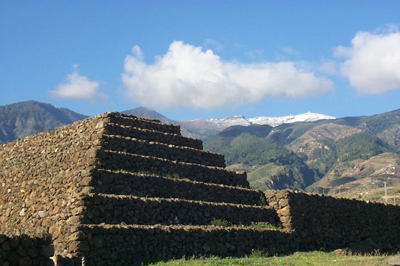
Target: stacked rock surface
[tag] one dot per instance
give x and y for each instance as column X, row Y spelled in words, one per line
column 112, row 176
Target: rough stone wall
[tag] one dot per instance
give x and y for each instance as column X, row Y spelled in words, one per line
column 162, row 150
column 311, row 222
column 113, row 209
column 151, row 135
column 142, row 123
column 108, row 182
column 148, row 164
column 23, row 249
column 41, row 175
column 326, row 222
column 106, row 244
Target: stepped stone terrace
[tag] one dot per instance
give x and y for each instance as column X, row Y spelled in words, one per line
column 114, row 189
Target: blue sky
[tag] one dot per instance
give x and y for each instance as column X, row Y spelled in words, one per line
column 201, row 59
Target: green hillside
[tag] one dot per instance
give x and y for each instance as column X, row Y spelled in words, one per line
column 298, row 155
column 261, row 154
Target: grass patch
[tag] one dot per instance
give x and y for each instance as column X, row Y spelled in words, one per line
column 263, row 225
column 225, row 223
column 221, row 222
column 297, row 259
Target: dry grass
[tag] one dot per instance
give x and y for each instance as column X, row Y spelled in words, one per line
column 297, row 259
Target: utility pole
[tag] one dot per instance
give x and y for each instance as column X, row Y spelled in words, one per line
column 385, row 192
column 386, row 197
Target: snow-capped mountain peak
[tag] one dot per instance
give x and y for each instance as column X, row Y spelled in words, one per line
column 263, row 120
column 276, row 121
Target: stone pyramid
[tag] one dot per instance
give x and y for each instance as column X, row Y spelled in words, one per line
column 113, row 189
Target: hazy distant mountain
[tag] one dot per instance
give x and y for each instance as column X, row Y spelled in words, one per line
column 22, row 119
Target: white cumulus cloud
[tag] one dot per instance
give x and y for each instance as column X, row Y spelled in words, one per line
column 190, row 77
column 78, row 87
column 372, row 62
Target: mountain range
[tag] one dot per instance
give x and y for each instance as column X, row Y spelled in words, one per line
column 206, row 128
column 27, row 118
column 350, row 156
column 334, row 156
